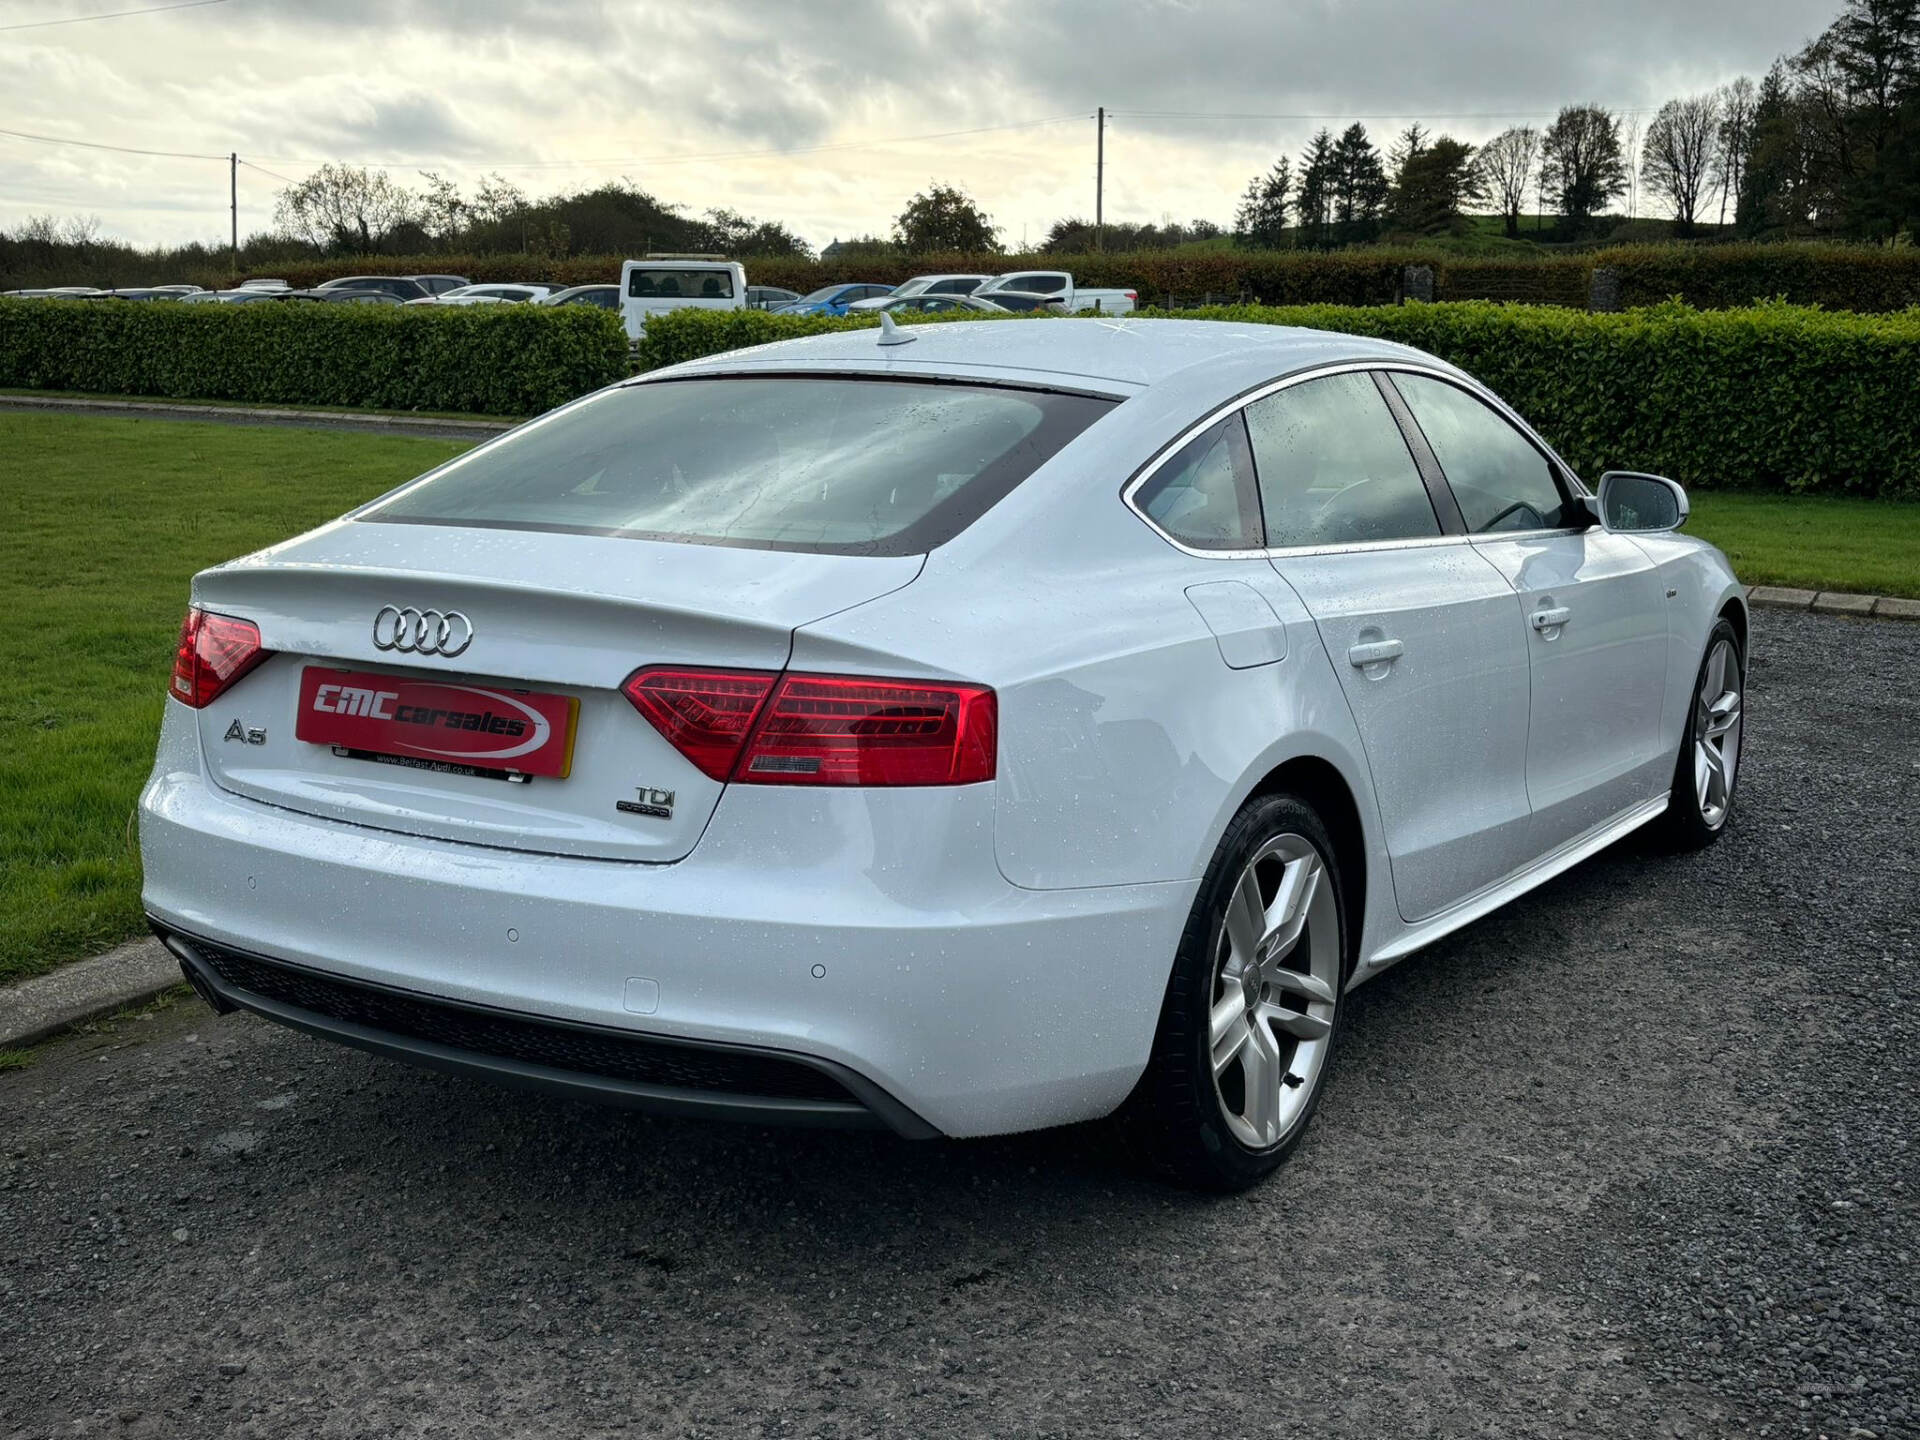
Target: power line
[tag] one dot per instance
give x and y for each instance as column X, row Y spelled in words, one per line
column 1258, row 115
column 114, row 15
column 116, row 149
column 264, row 171
column 636, row 160
column 709, row 155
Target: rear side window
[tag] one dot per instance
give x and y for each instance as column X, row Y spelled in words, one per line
column 1501, row 481
column 1334, row 467
column 1204, row 495
column 815, row 463
column 680, row 284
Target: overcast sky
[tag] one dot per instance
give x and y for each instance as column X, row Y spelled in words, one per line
column 537, row 89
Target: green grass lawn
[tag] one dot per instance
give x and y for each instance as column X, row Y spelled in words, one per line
column 104, row 521
column 102, row 524
column 1870, row 546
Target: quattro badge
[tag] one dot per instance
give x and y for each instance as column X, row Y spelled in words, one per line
column 657, row 803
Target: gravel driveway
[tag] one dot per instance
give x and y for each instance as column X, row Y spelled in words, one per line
column 1631, row 1158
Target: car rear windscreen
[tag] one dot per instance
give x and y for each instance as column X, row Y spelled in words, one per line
column 659, row 284
column 833, row 465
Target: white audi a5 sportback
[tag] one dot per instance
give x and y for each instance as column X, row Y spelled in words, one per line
column 962, row 729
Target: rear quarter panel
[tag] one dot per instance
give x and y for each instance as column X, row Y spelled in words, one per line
column 1126, row 743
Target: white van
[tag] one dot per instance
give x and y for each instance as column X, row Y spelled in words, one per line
column 678, row 282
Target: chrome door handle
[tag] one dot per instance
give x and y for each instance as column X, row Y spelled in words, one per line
column 1375, row 653
column 1551, row 619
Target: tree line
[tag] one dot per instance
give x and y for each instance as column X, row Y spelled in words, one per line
column 1826, row 144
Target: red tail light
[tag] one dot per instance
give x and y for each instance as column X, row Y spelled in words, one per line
column 760, row 729
column 705, row 714
column 214, row 652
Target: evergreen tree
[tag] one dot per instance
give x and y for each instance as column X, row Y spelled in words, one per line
column 1314, row 205
column 1359, row 187
column 1434, row 185
column 1261, row 221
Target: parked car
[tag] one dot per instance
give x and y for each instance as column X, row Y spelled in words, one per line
column 133, row 292
column 178, row 290
column 495, row 294
column 57, row 292
column 769, row 297
column 604, row 297
column 1019, row 302
column 924, row 285
column 827, row 731
column 343, row 295
column 241, row 296
column 398, row 286
column 440, row 284
column 833, row 299
column 1058, row 285
column 264, row 284
column 661, row 283
column 935, row 304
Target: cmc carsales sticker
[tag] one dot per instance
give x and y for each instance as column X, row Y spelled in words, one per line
column 479, row 725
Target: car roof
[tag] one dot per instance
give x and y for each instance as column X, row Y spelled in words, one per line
column 1119, row 356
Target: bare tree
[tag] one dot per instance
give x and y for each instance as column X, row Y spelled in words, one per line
column 1737, row 102
column 1580, row 163
column 1683, row 154
column 80, row 231
column 1505, row 167
column 343, row 207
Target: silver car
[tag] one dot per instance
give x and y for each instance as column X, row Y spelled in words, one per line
column 960, row 729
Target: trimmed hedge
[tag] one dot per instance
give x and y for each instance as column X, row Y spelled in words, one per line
column 1839, row 277
column 481, row 359
column 1772, row 398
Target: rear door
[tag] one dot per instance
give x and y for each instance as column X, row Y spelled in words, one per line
column 1591, row 611
column 1419, row 628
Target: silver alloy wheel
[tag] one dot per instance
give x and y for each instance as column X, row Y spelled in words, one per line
column 1716, row 733
column 1276, row 982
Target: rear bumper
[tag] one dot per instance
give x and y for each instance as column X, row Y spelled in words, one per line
column 865, row 934
column 721, row 1082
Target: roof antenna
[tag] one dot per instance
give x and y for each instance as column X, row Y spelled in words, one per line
column 892, row 334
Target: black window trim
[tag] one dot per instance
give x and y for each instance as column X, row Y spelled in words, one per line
column 1246, row 478
column 1446, row 505
column 1564, row 472
column 1570, row 494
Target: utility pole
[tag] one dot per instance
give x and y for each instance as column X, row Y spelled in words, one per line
column 1100, row 178
column 233, row 199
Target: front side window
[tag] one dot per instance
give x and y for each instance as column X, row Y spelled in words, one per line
column 1500, row 480
column 817, row 463
column 1204, row 494
column 1334, row 467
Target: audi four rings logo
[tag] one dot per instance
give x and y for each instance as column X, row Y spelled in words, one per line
column 421, row 632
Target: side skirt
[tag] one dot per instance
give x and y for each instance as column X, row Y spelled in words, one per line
column 1419, row 936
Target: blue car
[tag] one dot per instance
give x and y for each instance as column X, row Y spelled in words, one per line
column 833, row 299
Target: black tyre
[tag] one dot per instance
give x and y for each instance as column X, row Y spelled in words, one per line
column 1707, row 769
column 1253, row 1007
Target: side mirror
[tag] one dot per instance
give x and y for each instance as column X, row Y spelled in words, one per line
column 1635, row 504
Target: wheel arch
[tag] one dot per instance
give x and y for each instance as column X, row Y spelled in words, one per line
column 1320, row 783
column 1734, row 612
